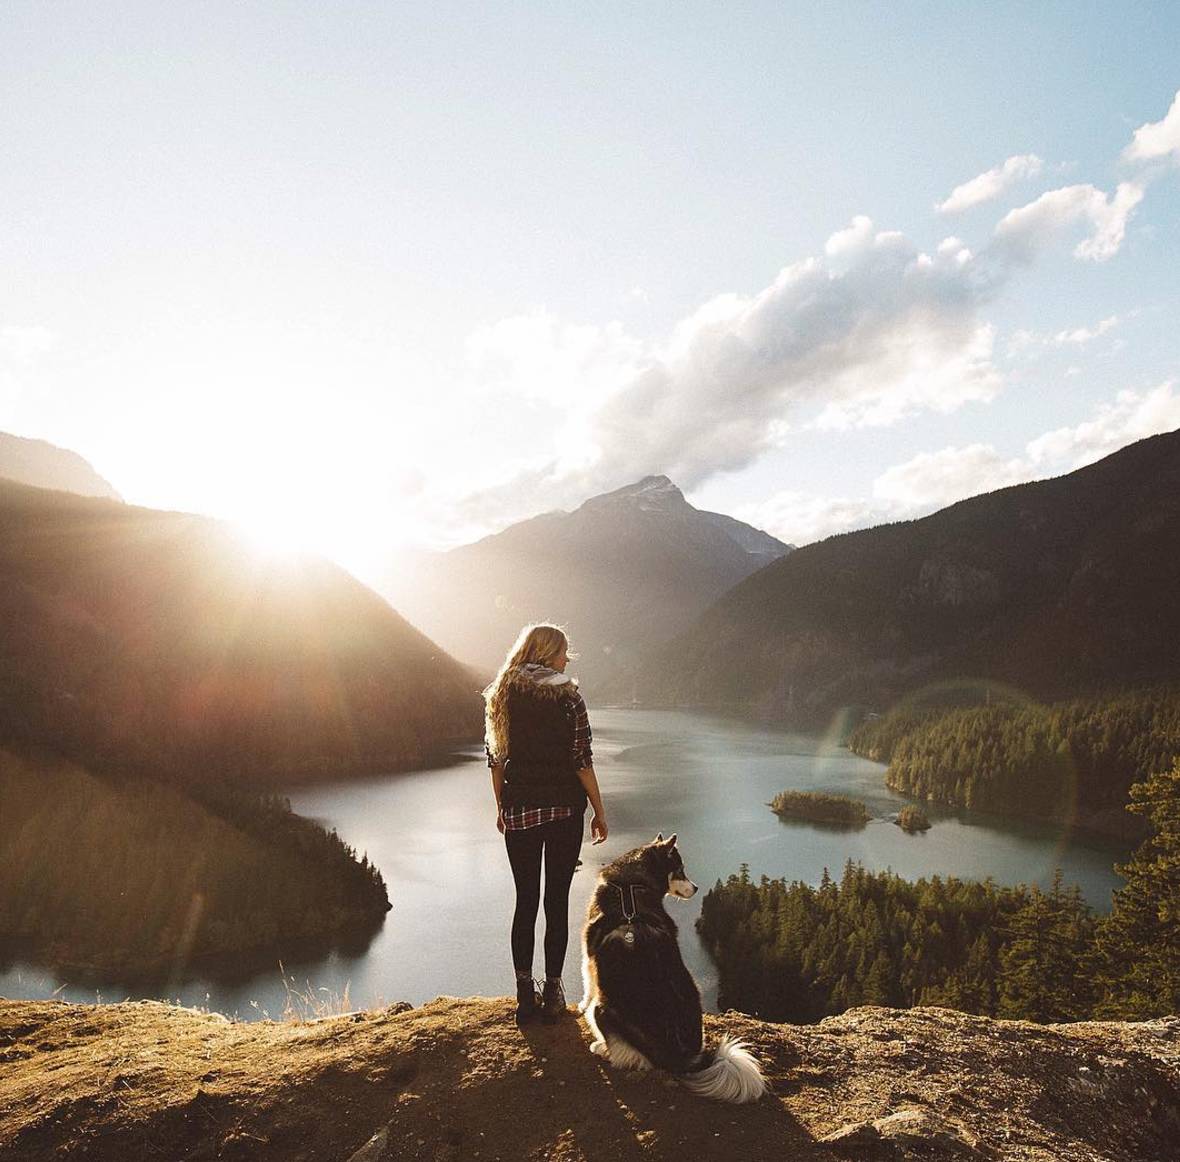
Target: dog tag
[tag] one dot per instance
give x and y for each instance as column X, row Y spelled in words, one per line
column 629, row 936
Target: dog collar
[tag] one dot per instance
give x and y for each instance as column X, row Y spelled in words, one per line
column 628, row 916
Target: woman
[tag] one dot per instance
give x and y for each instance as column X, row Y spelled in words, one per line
column 538, row 744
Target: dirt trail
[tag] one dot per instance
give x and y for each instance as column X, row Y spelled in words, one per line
column 455, row 1079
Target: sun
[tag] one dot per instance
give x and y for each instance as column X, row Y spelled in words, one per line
column 277, row 538
column 363, row 543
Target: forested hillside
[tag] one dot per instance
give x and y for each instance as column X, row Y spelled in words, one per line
column 1072, row 761
column 101, row 875
column 792, row 952
column 1058, row 588
column 157, row 640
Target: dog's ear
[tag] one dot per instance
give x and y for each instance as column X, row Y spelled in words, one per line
column 659, row 838
column 672, row 840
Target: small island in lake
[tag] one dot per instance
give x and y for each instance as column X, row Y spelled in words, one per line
column 817, row 807
column 911, row 818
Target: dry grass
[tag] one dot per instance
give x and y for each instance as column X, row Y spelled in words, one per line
column 305, row 1002
column 308, row 1003
column 456, row 1079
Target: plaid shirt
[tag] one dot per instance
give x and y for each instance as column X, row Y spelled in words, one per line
column 518, row 818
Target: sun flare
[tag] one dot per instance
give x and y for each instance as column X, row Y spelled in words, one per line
column 276, row 540
column 362, row 542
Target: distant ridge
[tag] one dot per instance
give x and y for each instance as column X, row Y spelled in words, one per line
column 1056, row 587
column 625, row 571
column 156, row 641
column 45, row 465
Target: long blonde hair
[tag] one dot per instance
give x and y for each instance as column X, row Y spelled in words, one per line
column 539, row 643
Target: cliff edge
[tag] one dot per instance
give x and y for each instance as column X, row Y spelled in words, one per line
column 455, row 1079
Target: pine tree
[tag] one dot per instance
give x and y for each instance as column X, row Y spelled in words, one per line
column 1140, row 941
column 1044, row 963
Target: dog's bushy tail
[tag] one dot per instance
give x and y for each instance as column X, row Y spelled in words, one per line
column 729, row 1073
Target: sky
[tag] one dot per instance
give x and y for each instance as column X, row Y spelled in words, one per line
column 366, row 277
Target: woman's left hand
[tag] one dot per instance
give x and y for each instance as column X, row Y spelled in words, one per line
column 499, row 821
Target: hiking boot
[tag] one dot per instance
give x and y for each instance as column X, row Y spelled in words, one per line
column 553, row 1003
column 528, row 1001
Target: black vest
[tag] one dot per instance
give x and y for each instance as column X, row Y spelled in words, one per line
column 540, row 770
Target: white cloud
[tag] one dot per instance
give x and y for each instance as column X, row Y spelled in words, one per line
column 852, row 238
column 884, row 338
column 954, row 246
column 1025, row 340
column 1023, row 232
column 990, row 184
column 1080, row 336
column 1109, row 218
column 1131, row 416
column 883, row 334
column 873, row 333
column 1157, row 139
column 799, row 518
column 538, row 381
column 536, row 356
column 933, row 480
column 930, row 374
column 928, row 481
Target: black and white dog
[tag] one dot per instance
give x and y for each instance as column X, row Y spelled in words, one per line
column 641, row 1003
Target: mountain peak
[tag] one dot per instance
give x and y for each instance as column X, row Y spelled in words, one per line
column 626, row 570
column 651, row 494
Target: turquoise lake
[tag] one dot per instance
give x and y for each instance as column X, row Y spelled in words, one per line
column 433, row 835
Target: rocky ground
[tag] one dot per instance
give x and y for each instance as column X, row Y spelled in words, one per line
column 455, row 1079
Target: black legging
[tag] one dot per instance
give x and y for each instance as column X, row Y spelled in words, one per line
column 561, row 840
